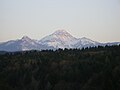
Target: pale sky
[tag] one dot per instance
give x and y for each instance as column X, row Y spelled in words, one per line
column 98, row 20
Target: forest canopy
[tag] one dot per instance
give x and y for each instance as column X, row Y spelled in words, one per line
column 94, row 68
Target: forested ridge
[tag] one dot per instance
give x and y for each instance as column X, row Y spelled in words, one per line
column 95, row 68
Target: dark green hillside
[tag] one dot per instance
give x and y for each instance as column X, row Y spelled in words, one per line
column 95, row 68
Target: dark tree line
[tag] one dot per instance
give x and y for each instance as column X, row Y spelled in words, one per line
column 94, row 68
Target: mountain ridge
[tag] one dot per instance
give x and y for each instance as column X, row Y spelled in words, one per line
column 58, row 39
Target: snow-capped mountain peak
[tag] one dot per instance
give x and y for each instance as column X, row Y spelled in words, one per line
column 62, row 35
column 58, row 39
column 85, row 40
column 63, row 39
column 61, row 32
column 26, row 38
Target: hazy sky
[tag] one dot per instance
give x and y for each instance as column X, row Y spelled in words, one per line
column 96, row 19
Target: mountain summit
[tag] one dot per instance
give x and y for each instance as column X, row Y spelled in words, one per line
column 25, row 38
column 58, row 39
column 61, row 32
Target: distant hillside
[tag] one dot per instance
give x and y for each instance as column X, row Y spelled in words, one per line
column 95, row 68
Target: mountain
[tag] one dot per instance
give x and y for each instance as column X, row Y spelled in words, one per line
column 58, row 39
column 86, row 42
column 62, row 39
column 23, row 44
